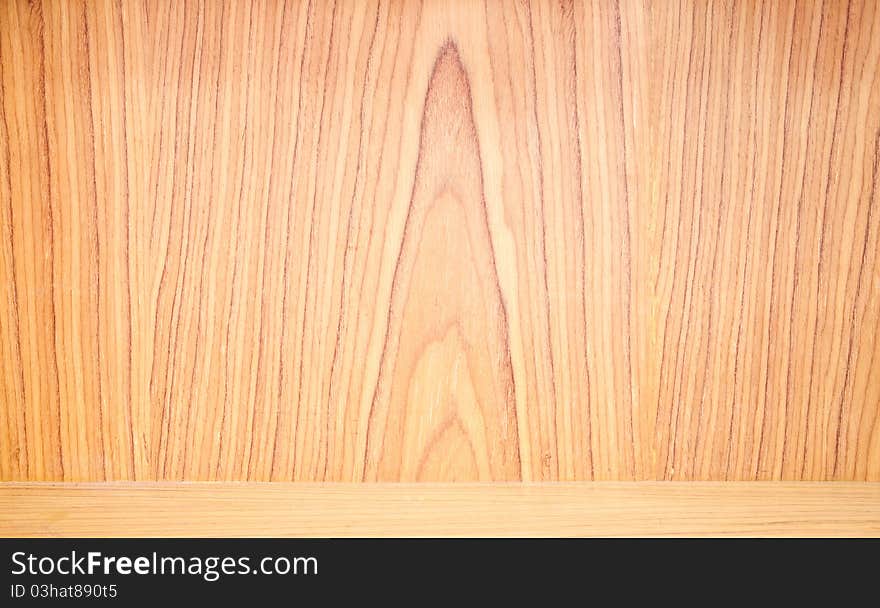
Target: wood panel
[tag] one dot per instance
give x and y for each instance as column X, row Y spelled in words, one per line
column 430, row 509
column 439, row 241
column 767, row 152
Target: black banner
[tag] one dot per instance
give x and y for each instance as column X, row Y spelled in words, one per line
column 128, row 572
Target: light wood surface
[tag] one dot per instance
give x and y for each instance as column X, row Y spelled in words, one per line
column 440, row 241
column 428, row 509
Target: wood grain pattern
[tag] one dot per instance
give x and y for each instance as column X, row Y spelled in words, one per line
column 429, row 509
column 439, row 241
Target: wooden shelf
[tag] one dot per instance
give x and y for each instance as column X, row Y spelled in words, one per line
column 189, row 509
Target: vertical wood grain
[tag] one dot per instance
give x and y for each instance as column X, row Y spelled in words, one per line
column 767, row 149
column 439, row 241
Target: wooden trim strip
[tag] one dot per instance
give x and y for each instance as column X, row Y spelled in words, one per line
column 414, row 510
